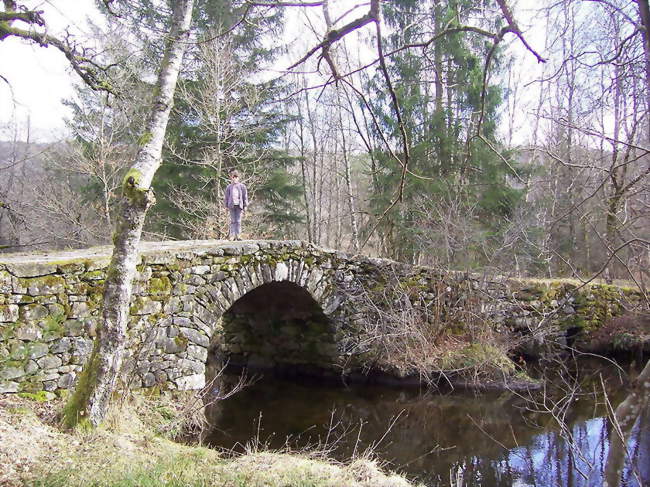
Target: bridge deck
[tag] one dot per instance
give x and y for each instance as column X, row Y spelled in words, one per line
column 105, row 251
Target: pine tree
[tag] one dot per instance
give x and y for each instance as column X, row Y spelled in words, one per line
column 442, row 100
column 225, row 117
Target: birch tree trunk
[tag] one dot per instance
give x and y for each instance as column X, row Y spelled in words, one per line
column 98, row 379
column 348, row 182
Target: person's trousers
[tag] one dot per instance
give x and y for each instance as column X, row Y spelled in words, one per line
column 235, row 221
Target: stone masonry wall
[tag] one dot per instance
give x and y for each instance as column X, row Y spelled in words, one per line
column 50, row 305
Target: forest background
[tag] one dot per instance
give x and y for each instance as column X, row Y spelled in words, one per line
column 493, row 161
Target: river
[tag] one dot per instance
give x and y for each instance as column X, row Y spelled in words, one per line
column 449, row 438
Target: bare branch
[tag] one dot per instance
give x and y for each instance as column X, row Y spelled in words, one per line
column 337, row 34
column 514, row 28
column 284, row 4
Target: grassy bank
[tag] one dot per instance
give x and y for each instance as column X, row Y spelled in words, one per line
column 131, row 450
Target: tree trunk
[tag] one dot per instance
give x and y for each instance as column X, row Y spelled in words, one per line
column 303, row 171
column 348, row 187
column 644, row 14
column 96, row 384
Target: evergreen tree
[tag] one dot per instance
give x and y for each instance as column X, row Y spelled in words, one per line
column 225, row 118
column 442, row 102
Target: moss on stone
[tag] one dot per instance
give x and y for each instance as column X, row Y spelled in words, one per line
column 92, row 275
column 40, row 396
column 246, row 259
column 8, row 330
column 159, row 285
column 19, row 354
column 595, row 305
column 53, row 325
column 32, row 384
column 181, row 341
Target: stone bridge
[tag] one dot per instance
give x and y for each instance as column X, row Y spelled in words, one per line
column 261, row 304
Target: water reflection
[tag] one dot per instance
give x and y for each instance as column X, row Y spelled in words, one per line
column 494, row 439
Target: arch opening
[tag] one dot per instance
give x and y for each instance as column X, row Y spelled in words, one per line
column 278, row 325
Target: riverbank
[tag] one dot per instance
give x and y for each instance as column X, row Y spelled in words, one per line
column 134, row 449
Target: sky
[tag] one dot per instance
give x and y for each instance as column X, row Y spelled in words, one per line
column 40, row 78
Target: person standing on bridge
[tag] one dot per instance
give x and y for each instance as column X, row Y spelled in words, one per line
column 236, row 201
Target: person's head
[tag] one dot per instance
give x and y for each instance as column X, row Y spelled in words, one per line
column 234, row 175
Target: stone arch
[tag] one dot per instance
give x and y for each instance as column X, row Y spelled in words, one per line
column 281, row 315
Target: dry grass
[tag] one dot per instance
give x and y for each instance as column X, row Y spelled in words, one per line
column 442, row 343
column 128, row 452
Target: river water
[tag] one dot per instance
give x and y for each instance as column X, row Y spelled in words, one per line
column 449, row 438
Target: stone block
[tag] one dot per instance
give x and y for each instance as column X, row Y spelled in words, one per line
column 281, row 271
column 28, row 332
column 174, row 345
column 195, row 336
column 49, row 362
column 172, row 305
column 66, row 381
column 17, row 286
column 6, row 286
column 140, row 288
column 266, row 273
column 218, row 275
column 159, row 286
column 8, row 387
column 80, row 310
column 82, row 346
column 195, row 281
column 38, row 350
column 33, row 312
column 51, row 375
column 71, row 267
column 188, row 303
column 191, row 382
column 31, row 269
column 159, row 258
column 73, row 328
column 192, row 366
column 173, row 373
column 197, row 353
column 61, row 345
column 199, row 270
column 8, row 373
column 144, row 274
column 182, row 321
column 31, row 367
column 45, row 285
column 144, row 306
column 148, row 380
